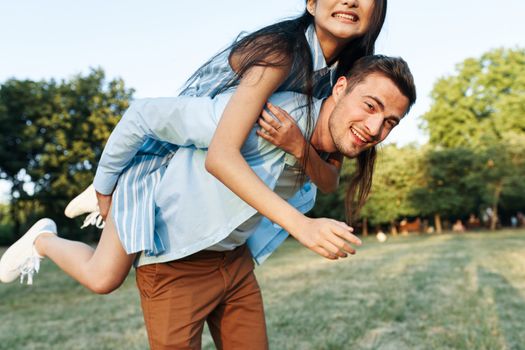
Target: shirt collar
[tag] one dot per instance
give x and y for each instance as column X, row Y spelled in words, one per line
column 315, row 48
column 319, row 61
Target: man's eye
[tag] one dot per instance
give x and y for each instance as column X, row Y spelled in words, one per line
column 391, row 122
column 370, row 106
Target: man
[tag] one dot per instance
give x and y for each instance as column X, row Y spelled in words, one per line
column 200, row 269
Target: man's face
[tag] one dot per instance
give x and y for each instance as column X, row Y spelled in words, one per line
column 365, row 116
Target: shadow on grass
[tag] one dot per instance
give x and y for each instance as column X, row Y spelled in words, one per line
column 509, row 304
column 421, row 293
column 367, row 304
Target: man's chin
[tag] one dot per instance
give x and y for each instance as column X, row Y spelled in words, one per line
column 355, row 151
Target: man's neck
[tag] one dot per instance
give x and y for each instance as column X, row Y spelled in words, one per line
column 321, row 138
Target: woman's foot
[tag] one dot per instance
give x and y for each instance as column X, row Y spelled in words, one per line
column 22, row 258
column 86, row 202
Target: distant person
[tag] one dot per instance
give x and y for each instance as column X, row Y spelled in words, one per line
column 473, row 222
column 521, row 219
column 458, row 226
column 381, row 237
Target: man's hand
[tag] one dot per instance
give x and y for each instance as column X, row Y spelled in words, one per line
column 104, row 202
column 327, row 237
column 283, row 133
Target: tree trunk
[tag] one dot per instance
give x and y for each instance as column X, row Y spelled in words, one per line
column 16, row 221
column 393, row 228
column 365, row 227
column 437, row 222
column 494, row 217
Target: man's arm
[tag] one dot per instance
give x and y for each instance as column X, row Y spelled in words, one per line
column 182, row 121
column 285, row 134
column 224, row 160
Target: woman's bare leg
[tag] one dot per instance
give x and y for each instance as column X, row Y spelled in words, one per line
column 101, row 270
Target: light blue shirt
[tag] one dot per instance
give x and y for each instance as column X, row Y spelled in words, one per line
column 194, row 209
column 209, row 79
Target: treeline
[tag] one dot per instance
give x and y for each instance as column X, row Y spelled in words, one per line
column 52, row 136
column 53, row 133
column 475, row 158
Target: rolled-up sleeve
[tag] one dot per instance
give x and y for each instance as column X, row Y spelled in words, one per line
column 182, row 121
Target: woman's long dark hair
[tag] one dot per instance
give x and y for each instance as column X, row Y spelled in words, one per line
column 283, row 44
column 360, row 183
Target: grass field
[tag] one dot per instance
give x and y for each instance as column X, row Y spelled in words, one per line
column 418, row 292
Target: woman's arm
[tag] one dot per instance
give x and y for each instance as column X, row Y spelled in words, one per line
column 327, row 237
column 285, row 134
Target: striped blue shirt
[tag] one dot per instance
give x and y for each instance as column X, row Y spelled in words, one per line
column 195, row 210
column 155, row 153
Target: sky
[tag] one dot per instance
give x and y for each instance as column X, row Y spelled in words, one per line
column 156, row 45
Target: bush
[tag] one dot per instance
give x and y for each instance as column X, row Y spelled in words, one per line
column 6, row 234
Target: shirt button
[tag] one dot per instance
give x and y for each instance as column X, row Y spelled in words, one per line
column 289, row 159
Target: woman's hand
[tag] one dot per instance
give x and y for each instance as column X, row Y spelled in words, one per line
column 327, row 237
column 283, row 133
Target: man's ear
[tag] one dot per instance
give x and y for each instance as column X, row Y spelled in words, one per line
column 339, row 89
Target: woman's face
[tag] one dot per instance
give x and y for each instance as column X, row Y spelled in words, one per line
column 339, row 19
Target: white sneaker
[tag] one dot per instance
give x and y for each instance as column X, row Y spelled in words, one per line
column 22, row 259
column 86, row 202
column 95, row 219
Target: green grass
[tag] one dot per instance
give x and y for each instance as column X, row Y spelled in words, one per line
column 418, row 292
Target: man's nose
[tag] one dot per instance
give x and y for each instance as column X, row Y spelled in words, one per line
column 373, row 124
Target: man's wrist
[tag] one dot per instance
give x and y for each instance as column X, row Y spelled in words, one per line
column 300, row 153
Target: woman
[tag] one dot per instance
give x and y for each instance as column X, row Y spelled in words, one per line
column 303, row 55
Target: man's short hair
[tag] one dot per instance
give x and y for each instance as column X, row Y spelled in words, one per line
column 394, row 68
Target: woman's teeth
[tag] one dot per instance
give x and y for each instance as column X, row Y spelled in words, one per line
column 346, row 16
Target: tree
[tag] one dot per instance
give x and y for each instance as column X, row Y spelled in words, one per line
column 513, row 194
column 20, row 103
column 55, row 133
column 396, row 170
column 500, row 169
column 395, row 173
column 483, row 100
column 482, row 107
column 448, row 184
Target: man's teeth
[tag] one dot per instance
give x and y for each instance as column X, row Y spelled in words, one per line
column 346, row 16
column 358, row 136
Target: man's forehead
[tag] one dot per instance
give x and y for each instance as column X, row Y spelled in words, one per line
column 378, row 86
column 374, row 81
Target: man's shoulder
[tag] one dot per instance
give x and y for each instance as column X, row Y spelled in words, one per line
column 296, row 104
column 289, row 100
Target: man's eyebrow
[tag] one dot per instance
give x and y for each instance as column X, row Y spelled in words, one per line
column 395, row 117
column 378, row 101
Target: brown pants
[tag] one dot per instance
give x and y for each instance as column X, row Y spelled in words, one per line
column 220, row 288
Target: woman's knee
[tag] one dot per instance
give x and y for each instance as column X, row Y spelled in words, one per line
column 105, row 285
